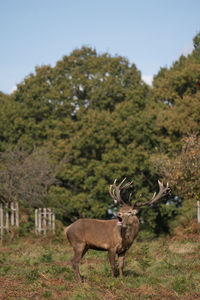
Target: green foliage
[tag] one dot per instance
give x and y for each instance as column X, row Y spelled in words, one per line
column 196, row 41
column 97, row 121
column 183, row 171
column 177, row 91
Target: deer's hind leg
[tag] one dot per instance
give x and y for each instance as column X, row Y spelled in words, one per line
column 79, row 252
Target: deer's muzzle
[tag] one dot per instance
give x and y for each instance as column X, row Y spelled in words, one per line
column 119, row 223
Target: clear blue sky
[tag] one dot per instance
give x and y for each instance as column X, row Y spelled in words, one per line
column 150, row 33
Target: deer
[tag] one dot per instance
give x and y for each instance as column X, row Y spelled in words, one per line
column 116, row 235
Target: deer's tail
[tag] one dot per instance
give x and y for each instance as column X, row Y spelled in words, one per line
column 65, row 231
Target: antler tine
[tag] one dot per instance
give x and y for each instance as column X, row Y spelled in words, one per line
column 127, row 185
column 163, row 191
column 129, row 199
column 120, row 184
column 112, row 192
column 115, row 190
column 138, row 199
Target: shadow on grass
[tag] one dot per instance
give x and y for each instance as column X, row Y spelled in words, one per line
column 128, row 273
column 131, row 273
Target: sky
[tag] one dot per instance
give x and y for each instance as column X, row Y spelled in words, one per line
column 149, row 33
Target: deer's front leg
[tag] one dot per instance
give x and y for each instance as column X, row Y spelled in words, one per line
column 111, row 256
column 121, row 263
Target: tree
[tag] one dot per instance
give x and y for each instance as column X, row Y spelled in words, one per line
column 104, row 146
column 177, row 117
column 97, row 112
column 196, row 41
column 25, row 177
column 94, row 110
column 82, row 79
column 183, row 172
column 176, row 92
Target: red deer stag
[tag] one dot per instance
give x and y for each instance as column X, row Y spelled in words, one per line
column 115, row 236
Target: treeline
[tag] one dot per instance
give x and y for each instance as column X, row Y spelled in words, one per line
column 68, row 131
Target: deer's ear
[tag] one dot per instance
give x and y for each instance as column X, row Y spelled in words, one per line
column 135, row 211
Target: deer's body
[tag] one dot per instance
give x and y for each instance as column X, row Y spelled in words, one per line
column 115, row 236
column 102, row 235
column 110, row 235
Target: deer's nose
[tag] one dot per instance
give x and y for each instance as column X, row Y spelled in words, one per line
column 119, row 215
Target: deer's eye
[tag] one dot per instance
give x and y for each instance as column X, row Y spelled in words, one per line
column 129, row 213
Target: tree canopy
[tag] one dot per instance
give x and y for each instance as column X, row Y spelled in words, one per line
column 97, row 120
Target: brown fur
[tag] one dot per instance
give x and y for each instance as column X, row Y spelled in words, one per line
column 107, row 235
column 114, row 236
column 65, row 230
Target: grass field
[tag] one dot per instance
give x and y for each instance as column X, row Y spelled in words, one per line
column 39, row 268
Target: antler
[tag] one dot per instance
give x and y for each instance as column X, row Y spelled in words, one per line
column 116, row 189
column 163, row 191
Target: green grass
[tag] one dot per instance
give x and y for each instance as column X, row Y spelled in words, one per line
column 39, row 268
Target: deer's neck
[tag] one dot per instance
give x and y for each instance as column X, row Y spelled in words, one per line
column 129, row 233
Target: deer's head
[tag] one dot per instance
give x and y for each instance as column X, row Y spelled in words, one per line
column 127, row 213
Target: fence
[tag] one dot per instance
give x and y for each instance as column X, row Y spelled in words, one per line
column 44, row 220
column 9, row 216
column 198, row 212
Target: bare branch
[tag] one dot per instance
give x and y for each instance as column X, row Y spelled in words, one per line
column 26, row 177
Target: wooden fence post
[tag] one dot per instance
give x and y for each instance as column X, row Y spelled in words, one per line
column 53, row 222
column 44, row 220
column 17, row 214
column 49, row 217
column 7, row 217
column 1, row 220
column 11, row 213
column 39, row 220
column 36, row 221
column 198, row 212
